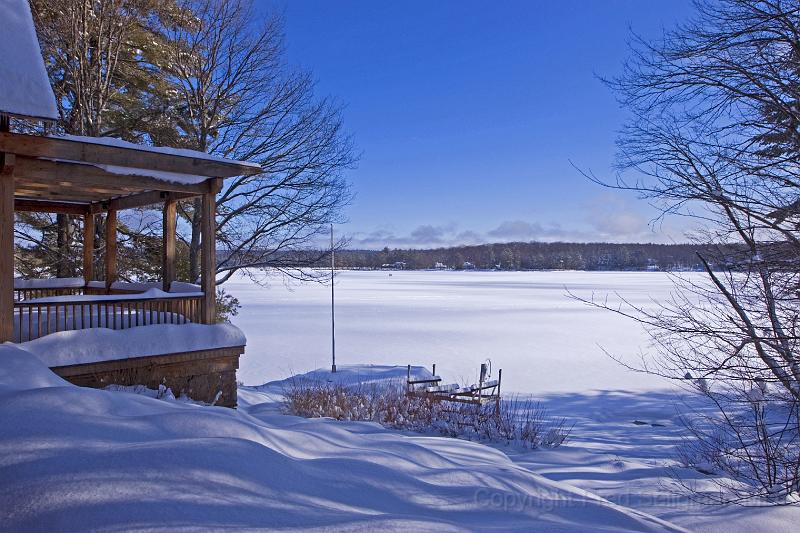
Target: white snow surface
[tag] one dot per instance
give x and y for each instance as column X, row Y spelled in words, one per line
column 163, row 175
column 149, row 293
column 623, row 447
column 175, row 286
column 48, row 283
column 364, row 374
column 525, row 322
column 102, row 344
column 75, row 459
column 24, row 86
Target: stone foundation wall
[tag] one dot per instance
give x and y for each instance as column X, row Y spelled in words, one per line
column 207, row 376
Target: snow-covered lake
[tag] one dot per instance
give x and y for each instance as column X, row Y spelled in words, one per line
column 525, row 322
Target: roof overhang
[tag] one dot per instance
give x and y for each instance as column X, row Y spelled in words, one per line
column 98, row 152
column 80, row 175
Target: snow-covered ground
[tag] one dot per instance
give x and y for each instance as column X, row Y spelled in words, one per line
column 622, row 447
column 74, row 459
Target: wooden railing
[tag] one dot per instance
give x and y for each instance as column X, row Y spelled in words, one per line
column 38, row 317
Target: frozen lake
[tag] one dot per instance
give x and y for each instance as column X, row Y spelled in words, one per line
column 525, row 322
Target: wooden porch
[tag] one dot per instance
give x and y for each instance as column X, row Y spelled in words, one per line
column 91, row 178
column 55, row 175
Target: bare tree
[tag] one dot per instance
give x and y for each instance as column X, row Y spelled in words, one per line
column 237, row 98
column 714, row 135
column 102, row 57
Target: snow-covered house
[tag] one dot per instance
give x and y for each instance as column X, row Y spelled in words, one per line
column 91, row 332
column 397, row 265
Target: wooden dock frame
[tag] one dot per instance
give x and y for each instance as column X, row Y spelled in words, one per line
column 412, row 384
column 480, row 394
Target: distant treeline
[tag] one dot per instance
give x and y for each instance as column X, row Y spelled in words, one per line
column 530, row 256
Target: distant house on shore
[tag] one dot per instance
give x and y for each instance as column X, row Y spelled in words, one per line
column 397, row 265
column 97, row 330
column 440, row 266
column 468, row 266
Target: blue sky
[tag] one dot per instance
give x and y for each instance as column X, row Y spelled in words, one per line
column 467, row 115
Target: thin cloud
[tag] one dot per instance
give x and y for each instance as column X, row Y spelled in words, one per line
column 606, row 220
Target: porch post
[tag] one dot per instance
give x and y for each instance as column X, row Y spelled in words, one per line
column 6, row 247
column 208, row 252
column 168, row 251
column 111, row 247
column 88, row 247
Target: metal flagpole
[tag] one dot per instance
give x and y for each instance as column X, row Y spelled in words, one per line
column 333, row 314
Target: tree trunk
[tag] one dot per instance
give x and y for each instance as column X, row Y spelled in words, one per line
column 63, row 238
column 99, row 245
column 194, row 245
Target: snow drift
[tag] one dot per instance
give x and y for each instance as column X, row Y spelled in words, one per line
column 82, row 459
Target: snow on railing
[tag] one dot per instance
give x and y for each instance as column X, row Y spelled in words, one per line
column 36, row 317
column 26, row 289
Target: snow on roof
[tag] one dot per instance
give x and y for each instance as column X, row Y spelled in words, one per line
column 181, row 152
column 24, row 86
column 173, row 177
column 162, row 175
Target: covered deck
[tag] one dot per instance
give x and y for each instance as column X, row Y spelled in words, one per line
column 101, row 332
column 99, row 177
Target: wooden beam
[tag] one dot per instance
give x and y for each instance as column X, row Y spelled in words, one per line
column 69, row 190
column 55, row 196
column 90, row 152
column 168, row 251
column 68, row 187
column 48, row 206
column 7, row 247
column 208, row 259
column 111, row 248
column 144, row 198
column 88, row 177
column 88, row 247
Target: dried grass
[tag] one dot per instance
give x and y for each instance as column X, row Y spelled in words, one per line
column 512, row 421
